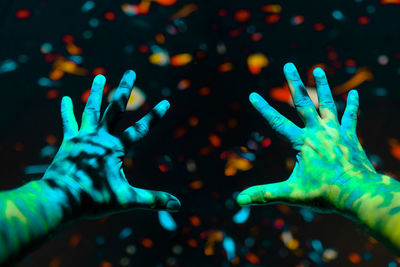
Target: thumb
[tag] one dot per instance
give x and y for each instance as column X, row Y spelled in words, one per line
column 265, row 194
column 149, row 199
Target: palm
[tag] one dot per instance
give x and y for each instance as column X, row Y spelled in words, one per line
column 329, row 152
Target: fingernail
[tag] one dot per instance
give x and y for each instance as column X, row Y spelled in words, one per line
column 164, row 104
column 130, row 76
column 173, row 205
column 243, row 199
column 318, row 72
column 289, row 67
column 99, row 80
column 254, row 97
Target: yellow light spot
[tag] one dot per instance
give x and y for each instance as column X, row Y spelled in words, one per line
column 12, row 211
column 256, row 62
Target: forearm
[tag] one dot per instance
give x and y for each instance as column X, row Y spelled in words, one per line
column 29, row 214
column 373, row 201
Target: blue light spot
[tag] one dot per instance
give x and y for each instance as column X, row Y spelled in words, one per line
column 242, row 215
column 338, row 15
column 229, row 247
column 125, row 233
column 86, row 7
column 166, row 221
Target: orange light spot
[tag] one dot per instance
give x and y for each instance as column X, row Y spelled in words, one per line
column 271, row 8
column 74, row 49
column 252, row 258
column 193, row 121
column 184, row 84
column 19, row 146
column 387, row 2
column 242, row 15
column 195, row 221
column 180, row 132
column 204, row 91
column 55, row 262
column 256, row 62
column 74, row 240
column 225, row 67
column 23, row 14
column 354, row 258
column 52, row 93
column 180, row 60
column 147, row 243
column 214, row 140
column 56, row 74
column 195, row 185
column 105, row 264
column 165, row 2
column 51, row 139
column 160, row 38
column 110, row 16
column 281, row 94
column 192, row 243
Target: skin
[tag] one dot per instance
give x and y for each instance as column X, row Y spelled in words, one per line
column 332, row 172
column 85, row 179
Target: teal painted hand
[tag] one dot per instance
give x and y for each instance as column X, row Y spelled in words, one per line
column 88, row 164
column 330, row 155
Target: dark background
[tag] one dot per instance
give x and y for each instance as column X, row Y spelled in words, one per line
column 30, row 121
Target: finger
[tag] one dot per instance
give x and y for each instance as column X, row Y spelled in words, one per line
column 349, row 119
column 266, row 194
column 119, row 100
column 70, row 125
column 91, row 114
column 278, row 122
column 301, row 100
column 327, row 107
column 156, row 200
column 142, row 127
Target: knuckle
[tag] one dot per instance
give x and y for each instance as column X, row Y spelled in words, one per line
column 303, row 102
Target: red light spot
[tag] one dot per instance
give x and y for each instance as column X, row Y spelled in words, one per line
column 255, row 37
column 99, row 70
column 52, row 93
column 266, row 142
column 222, row 12
column 242, row 15
column 85, row 96
column 143, row 49
column 350, row 63
column 279, row 223
column 214, row 140
column 23, row 14
column 272, row 19
column 68, row 39
column 110, row 16
column 147, row 243
column 363, row 20
column 319, row 26
column 252, row 258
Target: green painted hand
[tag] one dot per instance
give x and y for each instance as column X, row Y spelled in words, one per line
column 88, row 164
column 330, row 155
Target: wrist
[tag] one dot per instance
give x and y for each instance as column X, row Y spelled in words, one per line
column 348, row 191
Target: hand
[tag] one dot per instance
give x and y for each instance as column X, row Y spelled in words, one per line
column 89, row 162
column 329, row 156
